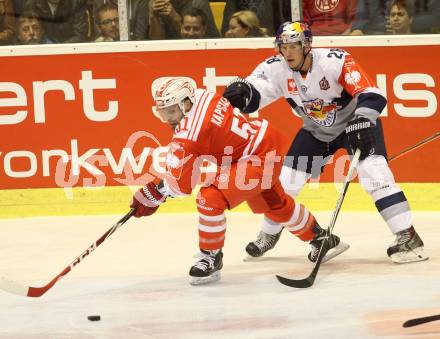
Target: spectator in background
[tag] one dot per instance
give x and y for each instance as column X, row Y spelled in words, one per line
column 193, row 24
column 362, row 17
column 107, row 20
column 19, row 6
column 138, row 18
column 165, row 18
column 245, row 24
column 270, row 13
column 137, row 11
column 329, row 17
column 400, row 17
column 64, row 21
column 371, row 16
column 30, row 31
column 7, row 22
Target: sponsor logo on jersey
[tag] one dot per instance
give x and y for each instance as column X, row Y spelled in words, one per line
column 322, row 113
column 323, row 84
column 304, row 88
column 326, row 5
column 201, row 201
column 291, row 87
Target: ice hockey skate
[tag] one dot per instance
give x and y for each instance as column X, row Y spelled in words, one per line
column 261, row 245
column 207, row 268
column 407, row 247
column 336, row 246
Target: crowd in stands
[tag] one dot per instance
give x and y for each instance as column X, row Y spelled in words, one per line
column 67, row 21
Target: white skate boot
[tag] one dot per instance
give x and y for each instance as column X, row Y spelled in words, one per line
column 408, row 247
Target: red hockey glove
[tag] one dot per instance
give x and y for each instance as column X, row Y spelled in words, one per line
column 147, row 200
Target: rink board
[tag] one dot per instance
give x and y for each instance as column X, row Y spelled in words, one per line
column 81, row 115
column 115, row 200
column 51, row 119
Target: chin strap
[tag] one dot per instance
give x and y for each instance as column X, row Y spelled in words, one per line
column 298, row 69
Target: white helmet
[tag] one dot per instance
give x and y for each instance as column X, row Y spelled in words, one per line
column 172, row 91
column 295, row 31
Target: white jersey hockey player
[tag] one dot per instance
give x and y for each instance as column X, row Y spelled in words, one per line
column 339, row 106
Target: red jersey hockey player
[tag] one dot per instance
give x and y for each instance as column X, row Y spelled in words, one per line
column 339, row 106
column 206, row 126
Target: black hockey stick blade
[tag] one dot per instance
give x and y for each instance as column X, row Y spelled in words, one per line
column 306, row 282
column 422, row 320
column 300, row 283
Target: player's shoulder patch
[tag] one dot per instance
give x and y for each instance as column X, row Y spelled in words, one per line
column 176, row 158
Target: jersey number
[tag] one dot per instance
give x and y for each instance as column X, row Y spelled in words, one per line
column 245, row 130
column 337, row 53
column 272, row 60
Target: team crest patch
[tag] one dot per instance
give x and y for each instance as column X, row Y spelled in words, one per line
column 323, row 84
column 320, row 112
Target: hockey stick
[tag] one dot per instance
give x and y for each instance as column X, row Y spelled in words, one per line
column 28, row 291
column 422, row 320
column 417, row 145
column 307, row 282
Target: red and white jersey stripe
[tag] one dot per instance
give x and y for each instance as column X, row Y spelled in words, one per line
column 212, row 128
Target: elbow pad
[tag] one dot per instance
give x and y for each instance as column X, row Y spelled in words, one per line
column 242, row 95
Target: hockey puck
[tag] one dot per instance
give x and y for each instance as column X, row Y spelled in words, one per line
column 94, row 317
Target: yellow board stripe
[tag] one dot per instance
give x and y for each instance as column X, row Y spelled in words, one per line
column 115, row 200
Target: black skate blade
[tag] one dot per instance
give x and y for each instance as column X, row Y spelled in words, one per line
column 297, row 283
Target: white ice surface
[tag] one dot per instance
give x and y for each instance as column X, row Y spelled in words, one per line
column 137, row 281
